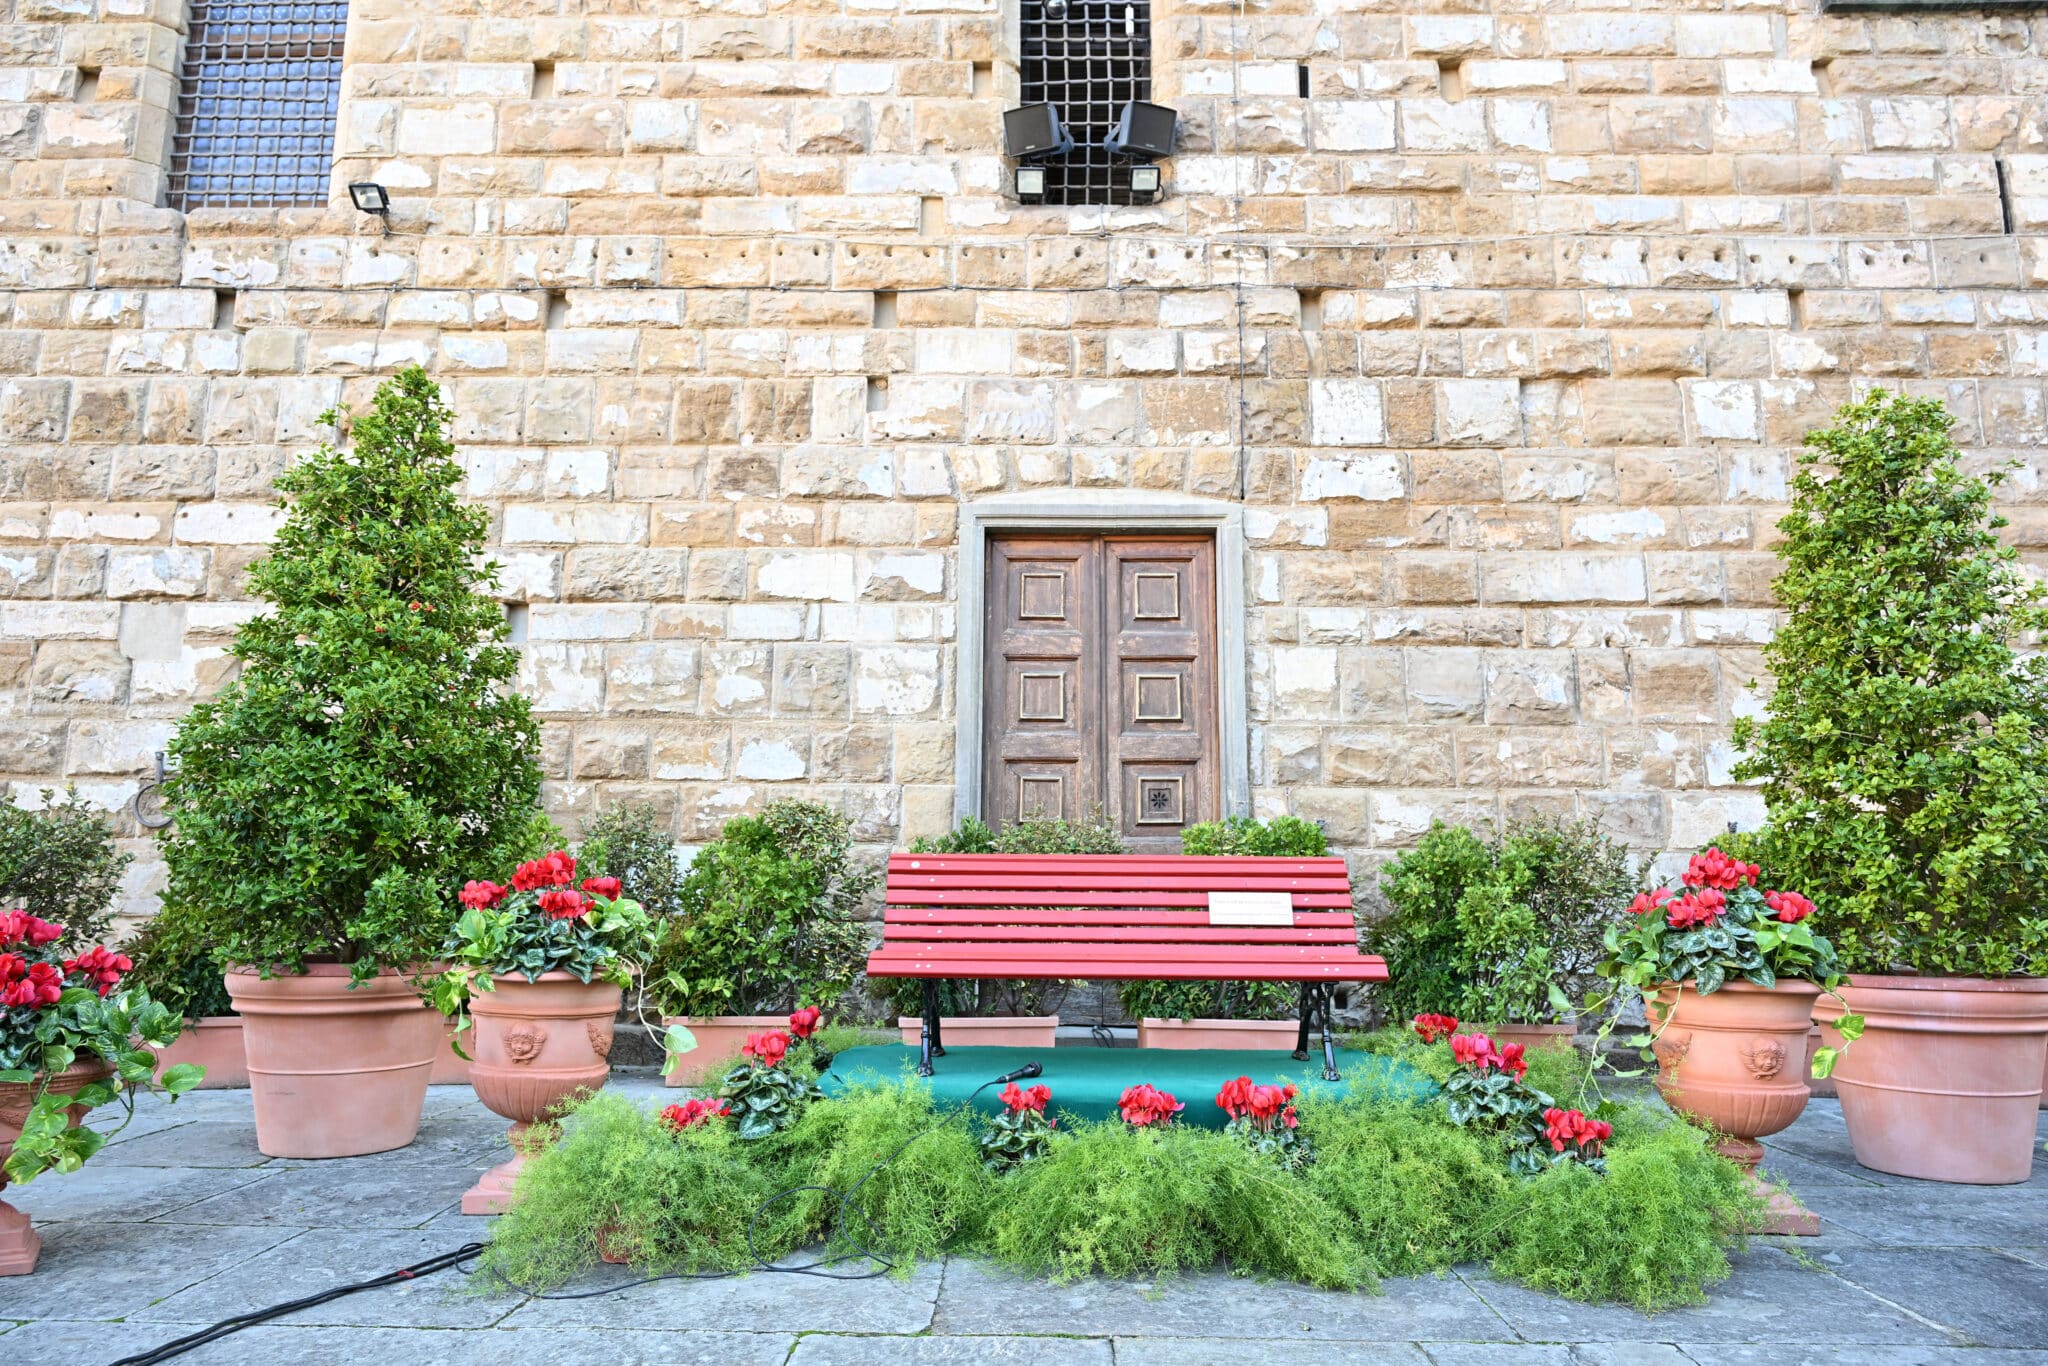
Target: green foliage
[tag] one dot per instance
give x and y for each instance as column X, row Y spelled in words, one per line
column 1904, row 755
column 59, row 864
column 767, row 1098
column 371, row 752
column 633, row 843
column 1416, row 1194
column 1653, row 1232
column 1015, row 1137
column 1501, row 931
column 770, row 917
column 1745, row 939
column 175, row 964
column 1281, row 837
column 987, row 996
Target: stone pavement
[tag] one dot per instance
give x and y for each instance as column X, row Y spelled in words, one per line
column 181, row 1222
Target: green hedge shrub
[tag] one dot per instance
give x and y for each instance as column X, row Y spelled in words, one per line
column 1904, row 753
column 634, row 843
column 372, row 752
column 1484, row 929
column 59, row 864
column 175, row 963
column 770, row 917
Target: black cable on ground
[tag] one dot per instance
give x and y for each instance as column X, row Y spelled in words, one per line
column 470, row 1251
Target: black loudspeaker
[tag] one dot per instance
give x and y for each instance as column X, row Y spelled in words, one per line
column 1143, row 130
column 1033, row 130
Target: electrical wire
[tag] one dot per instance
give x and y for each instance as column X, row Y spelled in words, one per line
column 836, row 1233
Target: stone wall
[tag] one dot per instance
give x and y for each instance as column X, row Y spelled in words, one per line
column 1505, row 336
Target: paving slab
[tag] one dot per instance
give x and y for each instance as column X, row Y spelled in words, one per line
column 1779, row 1354
column 112, row 1192
column 1917, row 1216
column 1991, row 1299
column 341, row 1194
column 110, row 1269
column 216, row 1142
column 1139, row 1351
column 761, row 1302
column 832, row 1349
column 321, row 1259
column 980, row 1299
column 276, row 1344
column 1769, row 1297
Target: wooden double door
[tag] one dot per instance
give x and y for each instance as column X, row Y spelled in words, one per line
column 1100, row 683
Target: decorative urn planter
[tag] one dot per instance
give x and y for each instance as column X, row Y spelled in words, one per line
column 1264, row 1035
column 719, row 1038
column 214, row 1043
column 334, row 1071
column 985, row 1031
column 1534, row 1036
column 537, row 1044
column 20, row 1245
column 1945, row 1083
column 1732, row 1062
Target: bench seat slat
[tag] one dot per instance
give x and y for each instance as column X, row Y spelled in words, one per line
column 1151, row 882
column 1326, row 901
column 1233, row 865
column 1213, row 954
column 897, row 916
column 1118, row 934
column 1097, row 968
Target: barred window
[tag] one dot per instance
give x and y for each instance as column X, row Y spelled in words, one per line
column 256, row 103
column 1087, row 59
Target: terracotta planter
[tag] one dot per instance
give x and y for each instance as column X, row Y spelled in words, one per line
column 2044, row 1082
column 1816, row 1086
column 1945, row 1084
column 719, row 1038
column 20, row 1245
column 1263, row 1035
column 214, row 1043
column 537, row 1044
column 1731, row 1062
column 986, row 1031
column 1534, row 1036
column 450, row 1067
column 334, row 1072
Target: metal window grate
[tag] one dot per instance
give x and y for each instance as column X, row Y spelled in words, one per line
column 1087, row 58
column 256, row 103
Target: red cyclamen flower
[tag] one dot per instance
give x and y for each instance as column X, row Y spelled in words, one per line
column 562, row 903
column 19, row 927
column 1430, row 1028
column 556, row 870
column 803, row 1022
column 1146, row 1106
column 1791, row 908
column 1571, row 1127
column 33, row 985
column 693, row 1112
column 1033, row 1098
column 479, row 895
column 1715, row 869
column 1703, row 907
column 101, row 969
column 767, row 1048
column 605, row 887
column 1649, row 902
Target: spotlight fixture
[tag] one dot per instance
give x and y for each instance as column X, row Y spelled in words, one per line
column 1142, row 130
column 370, row 197
column 1031, row 184
column 1033, row 130
column 1145, row 181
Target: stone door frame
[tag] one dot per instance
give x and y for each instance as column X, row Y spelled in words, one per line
column 1094, row 511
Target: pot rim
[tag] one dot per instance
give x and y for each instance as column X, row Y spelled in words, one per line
column 1211, row 1022
column 1006, row 1020
column 1785, row 986
column 1879, row 981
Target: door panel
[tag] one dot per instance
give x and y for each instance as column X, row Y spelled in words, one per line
column 1101, row 671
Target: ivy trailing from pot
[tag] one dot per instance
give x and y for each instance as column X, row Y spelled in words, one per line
column 73, row 1036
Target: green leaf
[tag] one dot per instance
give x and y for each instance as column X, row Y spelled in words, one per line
column 182, row 1077
column 1824, row 1062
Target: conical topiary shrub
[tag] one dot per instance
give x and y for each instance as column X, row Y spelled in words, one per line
column 371, row 753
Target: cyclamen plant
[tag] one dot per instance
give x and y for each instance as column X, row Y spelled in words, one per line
column 542, row 921
column 1488, row 1090
column 1263, row 1119
column 760, row 1093
column 1719, row 924
column 1022, row 1132
column 1147, row 1107
column 692, row 1113
column 58, row 1012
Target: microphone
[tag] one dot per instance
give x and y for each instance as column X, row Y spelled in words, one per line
column 1029, row 1069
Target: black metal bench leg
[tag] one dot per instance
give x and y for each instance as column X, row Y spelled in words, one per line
column 928, row 1028
column 938, row 1026
column 1328, row 1008
column 1307, row 1009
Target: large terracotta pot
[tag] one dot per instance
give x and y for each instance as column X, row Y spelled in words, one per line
column 334, row 1072
column 450, row 1067
column 1945, row 1083
column 537, row 1044
column 1534, row 1036
column 719, row 1038
column 1732, row 1062
column 986, row 1031
column 1816, row 1086
column 19, row 1243
column 214, row 1043
column 1264, row 1035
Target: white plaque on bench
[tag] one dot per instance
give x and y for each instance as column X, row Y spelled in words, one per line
column 1251, row 908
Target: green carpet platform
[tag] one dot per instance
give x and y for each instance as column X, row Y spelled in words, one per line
column 1086, row 1081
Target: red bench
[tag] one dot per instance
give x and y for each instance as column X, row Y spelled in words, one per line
column 1120, row 916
